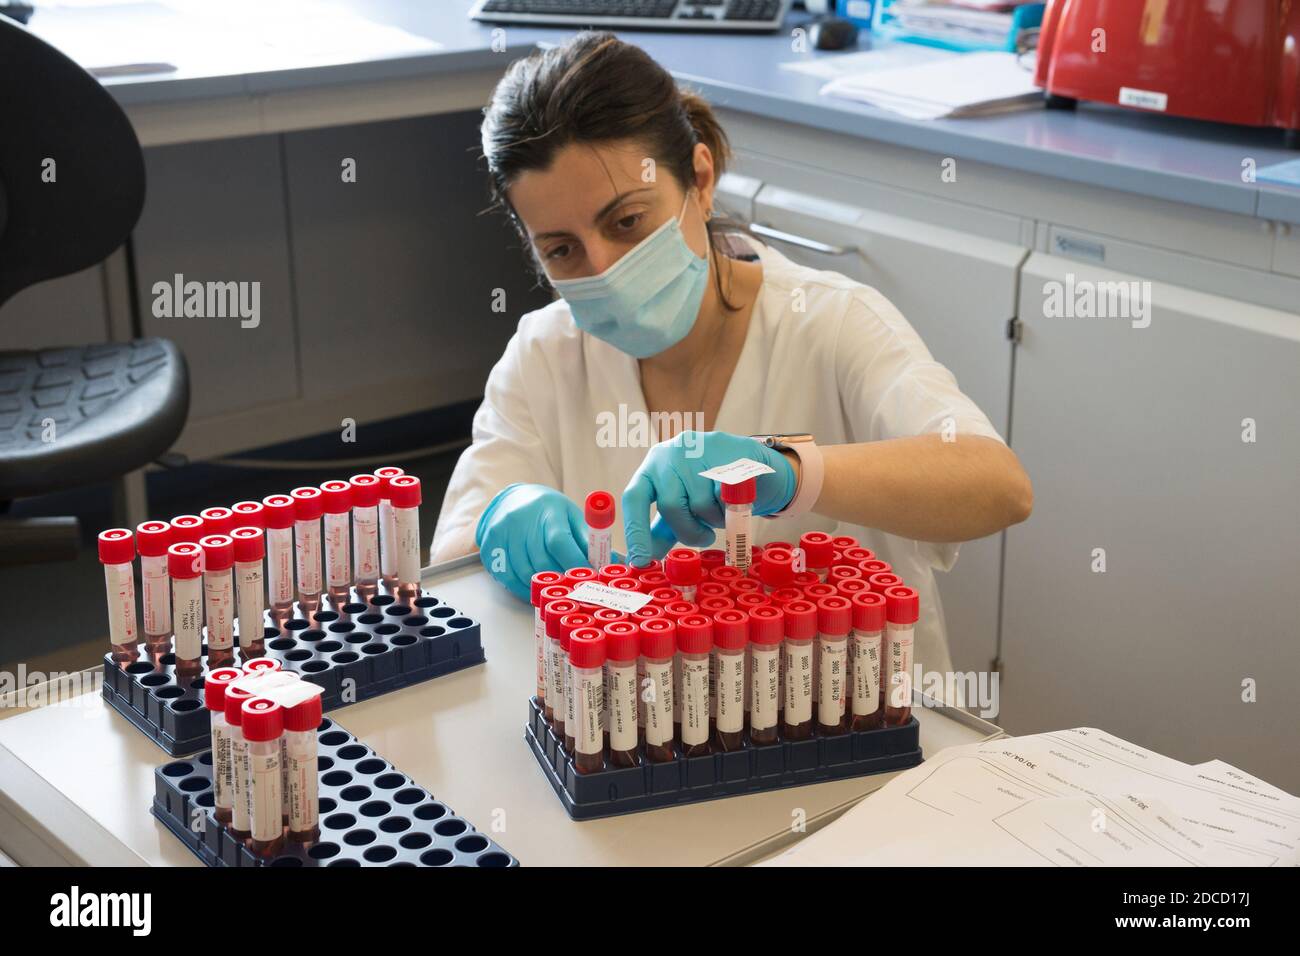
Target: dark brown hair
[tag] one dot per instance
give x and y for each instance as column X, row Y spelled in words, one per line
column 595, row 89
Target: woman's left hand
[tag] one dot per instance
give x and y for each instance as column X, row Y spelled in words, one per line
column 689, row 506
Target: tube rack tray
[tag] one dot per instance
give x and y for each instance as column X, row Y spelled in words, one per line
column 371, row 815
column 752, row 769
column 380, row 645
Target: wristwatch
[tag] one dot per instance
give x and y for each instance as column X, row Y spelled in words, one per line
column 811, row 470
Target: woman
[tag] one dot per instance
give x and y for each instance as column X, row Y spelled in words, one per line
column 609, row 171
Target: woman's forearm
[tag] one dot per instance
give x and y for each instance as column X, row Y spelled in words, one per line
column 926, row 488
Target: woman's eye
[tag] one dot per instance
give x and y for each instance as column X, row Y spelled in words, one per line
column 629, row 222
column 556, row 253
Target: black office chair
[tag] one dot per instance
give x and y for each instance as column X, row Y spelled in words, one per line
column 70, row 417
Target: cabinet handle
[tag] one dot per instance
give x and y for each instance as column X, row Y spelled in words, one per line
column 767, row 232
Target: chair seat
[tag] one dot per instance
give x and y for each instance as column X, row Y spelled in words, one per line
column 75, row 416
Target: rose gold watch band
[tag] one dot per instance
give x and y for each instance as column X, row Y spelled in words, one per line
column 812, row 471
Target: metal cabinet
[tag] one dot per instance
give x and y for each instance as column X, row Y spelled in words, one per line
column 1169, row 451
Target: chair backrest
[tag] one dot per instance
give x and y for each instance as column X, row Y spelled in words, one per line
column 71, row 170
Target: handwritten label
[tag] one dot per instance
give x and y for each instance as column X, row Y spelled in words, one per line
column 738, row 471
column 593, row 592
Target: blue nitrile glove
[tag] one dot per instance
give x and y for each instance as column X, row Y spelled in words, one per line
column 530, row 528
column 689, row 506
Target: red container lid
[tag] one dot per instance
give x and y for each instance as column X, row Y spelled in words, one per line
column 741, row 493
column 652, row 580
column 116, row 546
column 249, row 514
column 153, row 538
column 540, row 581
column 731, row 629
column 653, row 567
column 365, row 491
column 185, row 560
column 842, row 571
column 571, row 622
column 879, row 582
column 262, row 664
column 695, row 634
column 214, row 687
column 385, row 475
column 217, row 520
column 279, row 511
column 611, row 571
column 307, row 503
column 868, row 611
column 647, row 611
column 851, row 586
column 806, row 578
column 783, row 596
column 575, row 576
column 726, row 574
column 665, row 596
column 683, row 567
column 218, row 552
column 800, row 620
column 404, row 491
column 587, row 647
column 874, row 566
column 834, row 615
column 854, row 555
column 236, row 697
column 263, row 720
column 815, row 592
column 711, row 605
column 902, row 605
column 817, row 548
column 746, row 586
column 622, row 640
column 336, row 497
column 711, row 558
column 658, row 638
column 751, row 600
column 303, row 716
column 844, row 541
column 552, row 611
column 599, row 510
column 711, row 589
column 625, row 584
column 767, row 624
column 605, row 615
column 553, row 592
column 187, row 528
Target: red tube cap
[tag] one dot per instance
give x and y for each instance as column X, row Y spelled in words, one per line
column 805, row 578
column 683, row 567
column 844, row 541
column 218, row 552
column 404, row 491
column 116, row 546
column 573, row 622
column 587, row 647
column 279, row 511
column 263, row 720
column 741, row 493
column 336, row 497
column 746, row 586
column 250, row 544
column 625, row 584
column 695, row 634
column 874, row 566
column 214, row 687
column 654, row 579
column 217, row 520
column 868, row 611
column 711, row 558
column 262, row 664
column 726, row 574
column 658, row 638
column 783, row 596
column 599, row 511
column 731, row 629
column 249, row 514
column 622, row 640
column 385, row 475
column 303, row 716
column 848, row 587
column 185, row 560
column 800, row 620
column 902, row 605
column 553, row 611
column 751, row 599
column 712, row 605
column 834, row 615
column 777, row 569
column 153, row 538
column 881, row 582
column 605, row 615
column 680, row 609
column 187, row 528
column 711, row 589
column 365, row 491
column 611, row 571
column 856, row 555
column 654, row 567
column 540, row 581
column 665, row 596
column 817, row 549
column 236, row 697
column 575, row 576
column 767, row 624
column 307, row 503
column 647, row 611
column 815, row 592
column 842, row 571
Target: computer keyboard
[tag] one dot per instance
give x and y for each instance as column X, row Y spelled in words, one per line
column 715, row 15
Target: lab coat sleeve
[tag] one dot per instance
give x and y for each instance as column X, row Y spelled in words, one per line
column 507, row 446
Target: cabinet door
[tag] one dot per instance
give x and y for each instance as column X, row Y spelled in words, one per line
column 959, row 292
column 1138, row 441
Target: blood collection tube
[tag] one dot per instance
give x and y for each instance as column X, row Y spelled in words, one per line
column 185, row 568
column 240, row 814
column 711, row 558
column 568, row 624
column 694, row 651
column 214, row 699
column 622, row 648
column 800, row 629
column 587, row 659
column 540, row 581
column 658, row 650
column 187, row 528
column 263, row 725
column 300, row 749
column 219, row 598
column 599, row 512
column 766, row 635
column 552, row 611
column 365, row 534
column 868, row 633
column 307, row 509
column 776, row 569
column 882, row 582
column 902, row 609
column 336, row 500
column 404, row 499
column 250, row 590
column 727, row 678
column 279, row 555
column 152, row 539
column 817, row 550
column 834, row 621
column 738, row 500
column 684, row 571
column 217, row 520
column 117, row 554
column 248, row 514
column 387, row 532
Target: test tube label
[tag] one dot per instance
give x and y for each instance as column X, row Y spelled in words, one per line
column 622, row 707
column 695, row 706
column 900, row 665
column 731, row 691
column 866, row 673
column 659, row 706
column 766, row 680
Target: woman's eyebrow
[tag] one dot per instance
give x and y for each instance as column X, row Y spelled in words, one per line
column 600, row 214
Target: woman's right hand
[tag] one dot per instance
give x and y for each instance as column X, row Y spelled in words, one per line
column 530, row 528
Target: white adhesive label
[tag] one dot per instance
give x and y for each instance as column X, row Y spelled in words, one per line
column 187, row 607
column 658, row 697
column 239, row 770
column 406, row 522
column 738, row 536
column 641, row 683
column 737, row 471
column 338, row 567
column 677, row 690
column 830, row 703
column 600, row 547
column 157, row 595
column 1143, row 99
column 588, row 688
column 251, row 601
column 621, row 704
column 387, row 539
column 866, row 672
column 365, row 543
column 765, row 682
column 219, row 597
column 695, row 702
column 594, row 592
column 307, row 548
column 798, row 682
column 555, row 678
column 539, row 649
column 264, row 767
column 898, row 688
column 570, row 699
column 221, row 780
column 119, row 581
column 304, row 804
column 279, row 564
column 729, row 689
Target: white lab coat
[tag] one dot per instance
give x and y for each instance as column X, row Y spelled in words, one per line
column 823, row 354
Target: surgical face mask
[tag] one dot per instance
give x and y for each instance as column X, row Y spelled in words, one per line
column 647, row 301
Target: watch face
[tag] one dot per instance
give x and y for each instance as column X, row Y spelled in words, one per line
column 775, row 441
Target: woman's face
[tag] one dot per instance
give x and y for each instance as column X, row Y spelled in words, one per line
column 595, row 202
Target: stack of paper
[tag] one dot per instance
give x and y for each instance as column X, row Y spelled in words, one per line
column 989, row 24
column 975, row 84
column 1077, row 797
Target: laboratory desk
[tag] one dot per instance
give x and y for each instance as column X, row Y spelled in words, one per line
column 76, row 780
